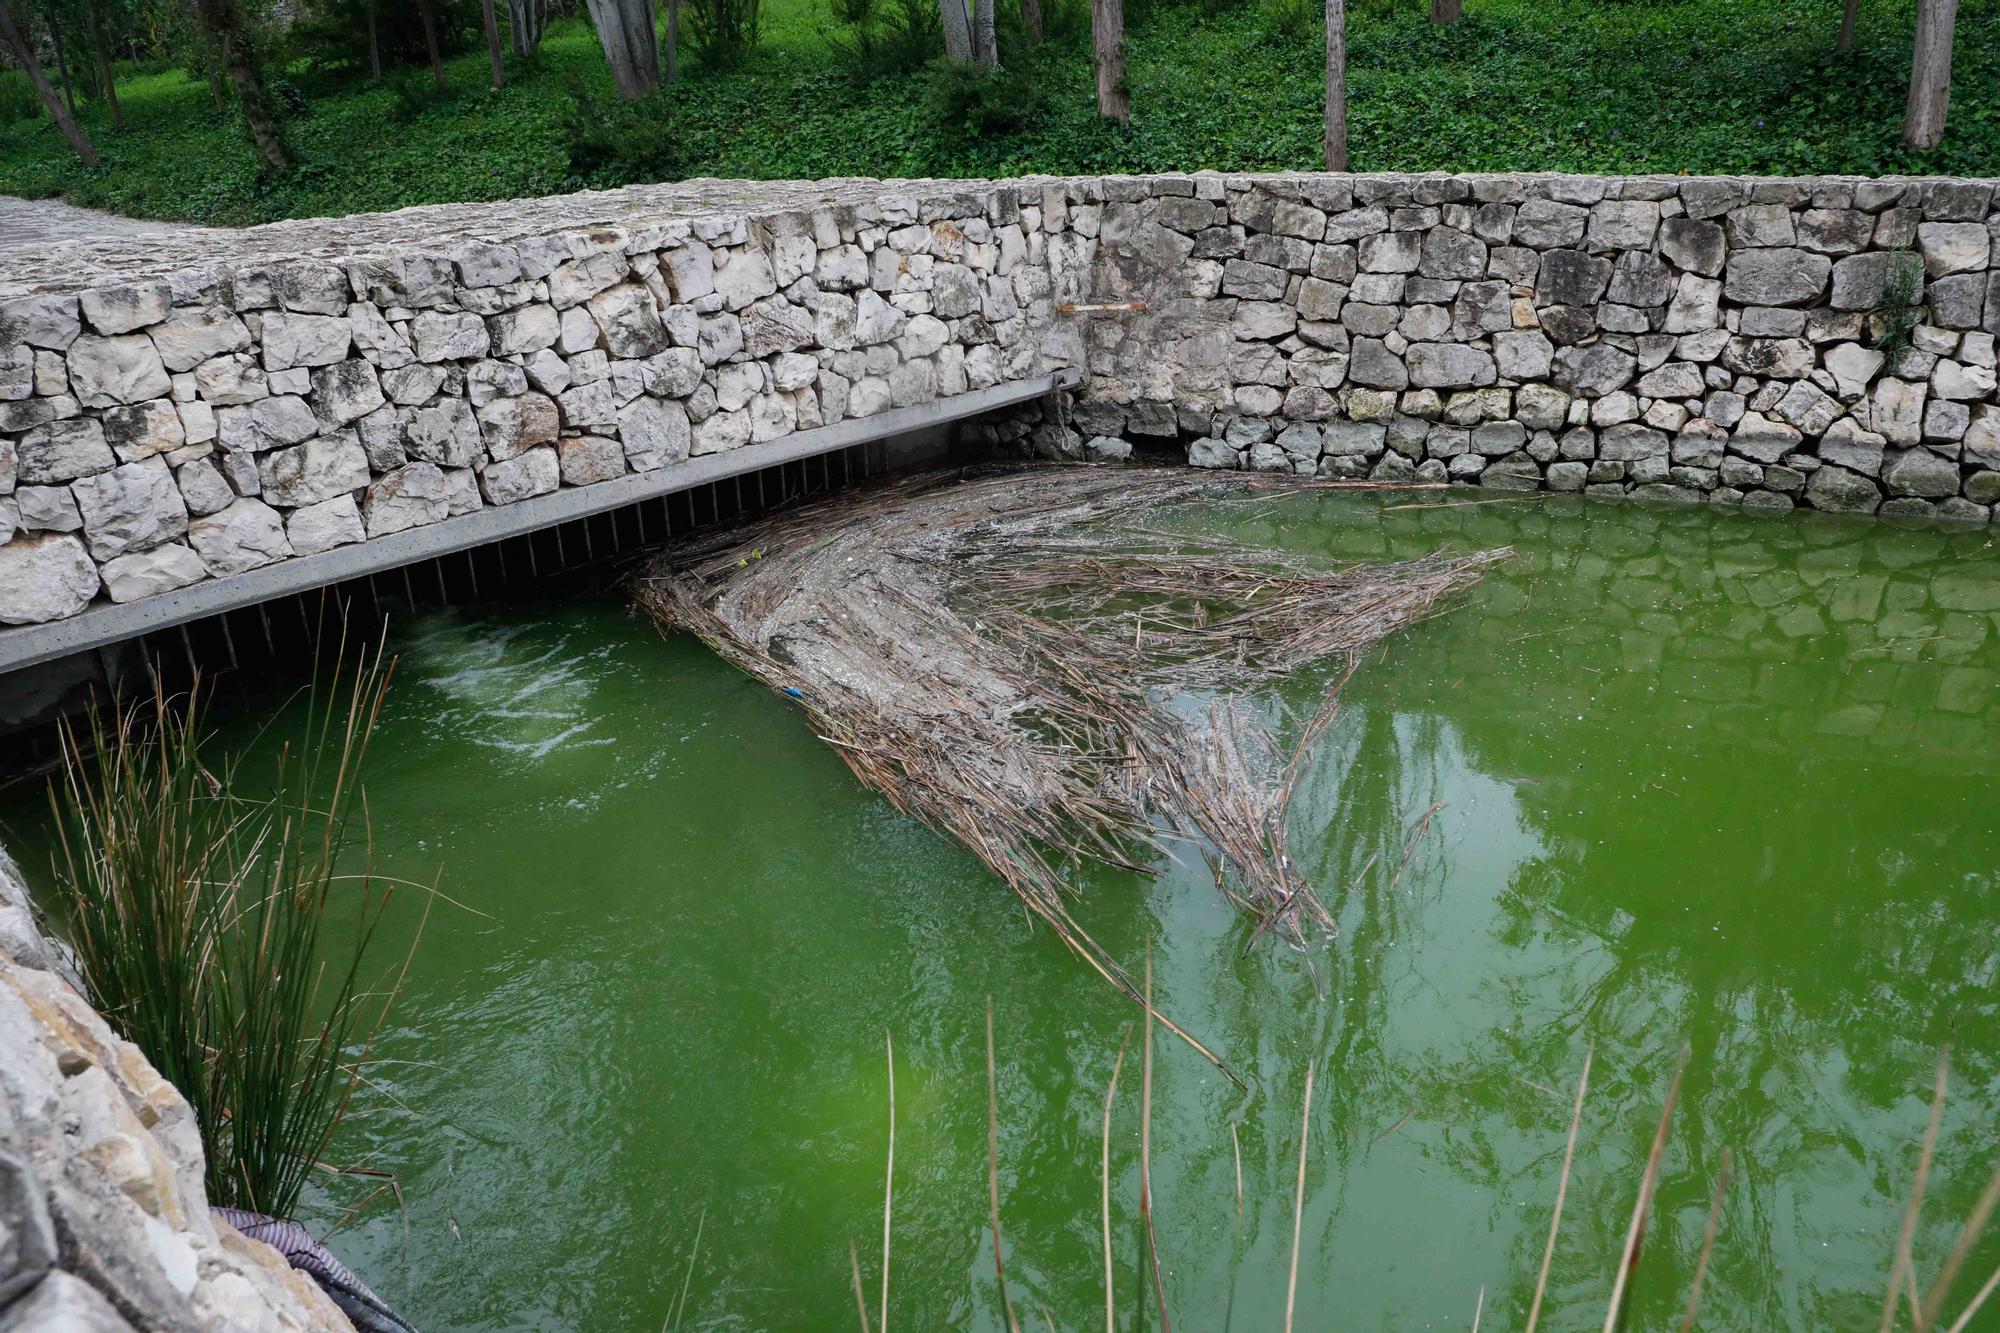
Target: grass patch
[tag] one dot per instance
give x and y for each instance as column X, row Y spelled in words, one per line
column 1571, row 85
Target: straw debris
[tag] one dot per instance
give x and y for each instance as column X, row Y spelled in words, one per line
column 1026, row 660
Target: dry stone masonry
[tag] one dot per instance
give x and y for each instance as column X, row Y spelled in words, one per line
column 1772, row 343
column 182, row 408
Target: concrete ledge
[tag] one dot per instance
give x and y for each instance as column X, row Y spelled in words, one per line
column 31, row 645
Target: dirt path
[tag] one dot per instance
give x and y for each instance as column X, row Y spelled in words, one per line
column 43, row 222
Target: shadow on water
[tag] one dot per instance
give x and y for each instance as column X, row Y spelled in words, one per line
column 1693, row 777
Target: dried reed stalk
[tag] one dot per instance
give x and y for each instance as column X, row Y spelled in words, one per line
column 1968, row 1236
column 860, row 1301
column 1146, row 1147
column 1903, row 1265
column 1299, row 1200
column 993, row 1168
column 1110, row 1092
column 1707, row 1241
column 888, row 1178
column 1635, row 1234
column 1562, row 1189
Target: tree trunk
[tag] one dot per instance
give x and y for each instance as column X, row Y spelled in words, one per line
column 673, row 52
column 1930, row 74
column 957, row 31
column 985, row 40
column 631, row 48
column 104, row 67
column 374, row 45
column 1336, row 85
column 1446, row 12
column 1849, row 13
column 62, row 62
column 232, row 44
column 526, row 19
column 24, row 55
column 493, row 43
column 428, row 13
column 1031, row 15
column 1107, row 40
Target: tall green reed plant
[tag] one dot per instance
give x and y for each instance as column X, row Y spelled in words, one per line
column 216, row 924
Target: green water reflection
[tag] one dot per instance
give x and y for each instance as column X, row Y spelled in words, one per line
column 1703, row 777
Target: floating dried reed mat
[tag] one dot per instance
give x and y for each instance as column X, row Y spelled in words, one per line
column 1017, row 658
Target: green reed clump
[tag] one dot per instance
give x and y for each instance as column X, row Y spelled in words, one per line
column 216, row 925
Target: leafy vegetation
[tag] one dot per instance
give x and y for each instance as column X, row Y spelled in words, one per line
column 217, row 923
column 1562, row 85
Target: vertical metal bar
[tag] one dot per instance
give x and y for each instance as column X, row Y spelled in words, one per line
column 229, row 642
column 472, row 573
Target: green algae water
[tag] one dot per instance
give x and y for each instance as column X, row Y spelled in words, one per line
column 1694, row 780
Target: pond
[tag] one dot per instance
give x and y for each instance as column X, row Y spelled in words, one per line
column 1695, row 779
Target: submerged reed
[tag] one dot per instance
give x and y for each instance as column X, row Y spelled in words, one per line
column 198, row 903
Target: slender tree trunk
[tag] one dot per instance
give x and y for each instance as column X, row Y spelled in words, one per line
column 1445, row 12
column 1031, row 15
column 24, row 55
column 239, row 61
column 631, row 46
column 1107, row 40
column 1930, row 74
column 1849, row 14
column 428, row 13
column 104, row 66
column 62, row 62
column 673, row 51
column 1336, row 85
column 493, row 43
column 957, row 31
column 985, row 40
column 374, row 44
column 526, row 19
column 216, row 95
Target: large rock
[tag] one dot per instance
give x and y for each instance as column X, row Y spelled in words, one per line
column 588, row 459
column 247, row 534
column 125, row 369
column 44, row 578
column 191, row 337
column 1779, row 276
column 1953, row 247
column 1878, row 279
column 512, row 426
column 629, row 319
column 323, row 526
column 63, row 451
column 450, row 336
column 134, row 305
column 1449, row 366
column 536, row 472
column 410, row 497
column 292, row 340
column 1837, row 489
column 1594, row 370
column 1922, row 473
column 60, row 1303
column 345, row 391
column 654, row 433
column 314, row 471
column 148, row 573
column 523, row 330
column 140, row 430
column 130, row 508
column 445, row 433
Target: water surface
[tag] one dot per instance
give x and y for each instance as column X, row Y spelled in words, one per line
column 1705, row 779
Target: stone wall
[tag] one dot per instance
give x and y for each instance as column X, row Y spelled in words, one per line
column 189, row 408
column 1827, row 341
column 104, row 1225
